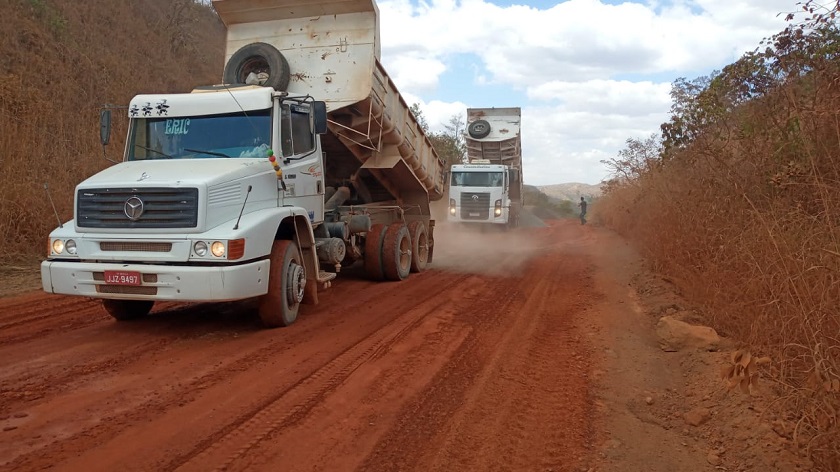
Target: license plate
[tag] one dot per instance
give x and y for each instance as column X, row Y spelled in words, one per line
column 122, row 277
column 473, row 214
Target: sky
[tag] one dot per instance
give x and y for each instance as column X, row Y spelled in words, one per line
column 587, row 74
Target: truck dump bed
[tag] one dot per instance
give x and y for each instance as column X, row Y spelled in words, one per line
column 332, row 48
column 503, row 144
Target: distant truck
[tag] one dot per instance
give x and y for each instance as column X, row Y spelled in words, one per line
column 488, row 188
column 306, row 160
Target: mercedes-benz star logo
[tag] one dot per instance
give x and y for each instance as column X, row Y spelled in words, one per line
column 133, row 208
column 474, row 197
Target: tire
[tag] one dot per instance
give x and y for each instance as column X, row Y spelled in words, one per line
column 123, row 310
column 419, row 246
column 286, row 285
column 258, row 57
column 373, row 252
column 396, row 252
column 479, row 129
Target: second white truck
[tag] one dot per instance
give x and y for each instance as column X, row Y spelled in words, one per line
column 487, row 190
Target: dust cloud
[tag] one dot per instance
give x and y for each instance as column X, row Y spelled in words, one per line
column 485, row 250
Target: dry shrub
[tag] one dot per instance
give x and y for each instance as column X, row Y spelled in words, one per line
column 746, row 217
column 60, row 62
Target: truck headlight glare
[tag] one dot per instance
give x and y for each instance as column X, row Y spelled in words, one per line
column 218, row 249
column 58, row 246
column 70, row 245
column 200, row 248
column 498, row 212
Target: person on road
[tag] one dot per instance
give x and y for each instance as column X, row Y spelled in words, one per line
column 582, row 206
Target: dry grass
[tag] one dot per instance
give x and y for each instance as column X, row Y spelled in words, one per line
column 60, row 62
column 747, row 218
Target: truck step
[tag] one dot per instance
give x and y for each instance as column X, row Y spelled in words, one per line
column 324, row 276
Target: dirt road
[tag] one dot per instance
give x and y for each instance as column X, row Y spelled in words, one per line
column 492, row 361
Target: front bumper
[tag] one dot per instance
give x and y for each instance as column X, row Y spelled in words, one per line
column 159, row 282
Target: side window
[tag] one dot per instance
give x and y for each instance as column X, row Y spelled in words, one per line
column 285, row 131
column 302, row 137
column 296, row 129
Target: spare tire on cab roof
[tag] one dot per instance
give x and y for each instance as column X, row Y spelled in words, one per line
column 258, row 58
column 479, row 129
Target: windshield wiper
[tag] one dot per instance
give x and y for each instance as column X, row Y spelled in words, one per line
column 155, row 151
column 212, row 153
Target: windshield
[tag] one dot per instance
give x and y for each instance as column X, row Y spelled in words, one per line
column 201, row 137
column 477, row 179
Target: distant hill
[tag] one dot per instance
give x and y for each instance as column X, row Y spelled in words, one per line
column 571, row 191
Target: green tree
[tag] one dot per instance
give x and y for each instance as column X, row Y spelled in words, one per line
column 636, row 159
column 418, row 115
column 449, row 144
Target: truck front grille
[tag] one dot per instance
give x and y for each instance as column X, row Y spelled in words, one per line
column 137, row 208
column 475, row 206
column 139, row 246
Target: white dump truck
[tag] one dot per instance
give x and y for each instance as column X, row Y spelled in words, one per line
column 304, row 161
column 488, row 188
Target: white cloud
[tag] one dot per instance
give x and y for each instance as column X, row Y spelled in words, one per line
column 606, row 96
column 559, row 145
column 416, row 73
column 579, row 39
column 589, row 74
column 436, row 112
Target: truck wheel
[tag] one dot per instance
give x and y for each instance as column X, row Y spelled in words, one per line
column 286, row 283
column 419, row 245
column 123, row 310
column 479, row 129
column 258, row 58
column 396, row 252
column 373, row 252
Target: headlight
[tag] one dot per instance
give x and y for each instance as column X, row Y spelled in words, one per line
column 498, row 208
column 218, row 249
column 58, row 246
column 70, row 245
column 498, row 212
column 200, row 248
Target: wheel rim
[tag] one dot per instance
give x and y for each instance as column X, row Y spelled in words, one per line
column 422, row 247
column 256, row 65
column 405, row 253
column 296, row 281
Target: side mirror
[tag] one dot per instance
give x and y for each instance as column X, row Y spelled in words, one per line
column 105, row 126
column 319, row 114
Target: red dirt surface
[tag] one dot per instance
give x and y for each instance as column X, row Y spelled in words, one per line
column 493, row 360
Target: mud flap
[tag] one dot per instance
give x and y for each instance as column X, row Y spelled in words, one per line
column 310, row 292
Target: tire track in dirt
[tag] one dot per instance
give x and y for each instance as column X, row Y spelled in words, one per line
column 514, row 398
column 189, row 389
column 295, row 403
column 47, row 315
column 30, row 309
column 376, row 391
column 417, row 431
column 508, row 398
